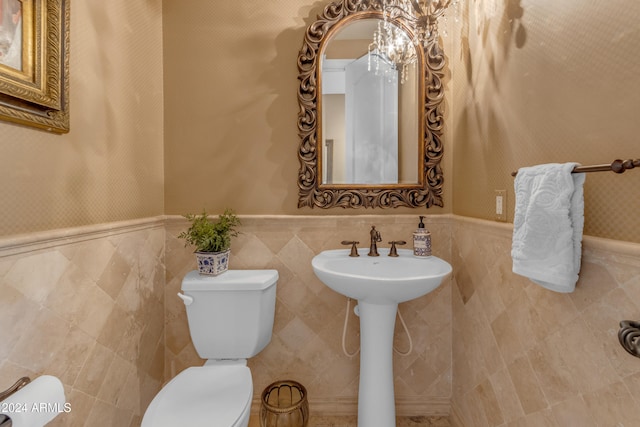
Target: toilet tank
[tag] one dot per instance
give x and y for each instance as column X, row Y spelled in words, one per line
column 230, row 315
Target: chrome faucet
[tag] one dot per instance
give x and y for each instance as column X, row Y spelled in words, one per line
column 375, row 238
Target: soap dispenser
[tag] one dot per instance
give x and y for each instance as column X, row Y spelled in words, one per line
column 422, row 241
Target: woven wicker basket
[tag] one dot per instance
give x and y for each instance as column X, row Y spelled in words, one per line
column 284, row 404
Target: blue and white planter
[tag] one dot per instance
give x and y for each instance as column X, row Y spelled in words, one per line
column 213, row 263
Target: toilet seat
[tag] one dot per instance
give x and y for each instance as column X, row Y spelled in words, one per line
column 202, row 396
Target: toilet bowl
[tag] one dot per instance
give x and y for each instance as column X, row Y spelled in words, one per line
column 204, row 396
column 230, row 319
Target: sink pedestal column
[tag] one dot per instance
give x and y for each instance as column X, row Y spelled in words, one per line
column 376, row 402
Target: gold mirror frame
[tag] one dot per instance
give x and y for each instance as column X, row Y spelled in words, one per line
column 37, row 95
column 312, row 193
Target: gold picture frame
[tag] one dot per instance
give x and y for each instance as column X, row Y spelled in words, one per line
column 34, row 63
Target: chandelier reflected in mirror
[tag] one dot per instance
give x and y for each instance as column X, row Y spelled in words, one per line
column 391, row 45
column 391, row 52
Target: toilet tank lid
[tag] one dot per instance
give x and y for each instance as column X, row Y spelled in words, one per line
column 230, row 280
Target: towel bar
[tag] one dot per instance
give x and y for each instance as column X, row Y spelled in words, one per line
column 617, row 166
column 629, row 336
column 17, row 386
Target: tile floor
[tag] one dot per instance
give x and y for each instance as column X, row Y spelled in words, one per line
column 350, row 421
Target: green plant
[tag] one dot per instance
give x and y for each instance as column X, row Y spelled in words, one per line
column 210, row 236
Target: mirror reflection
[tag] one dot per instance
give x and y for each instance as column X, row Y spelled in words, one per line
column 402, row 167
column 369, row 108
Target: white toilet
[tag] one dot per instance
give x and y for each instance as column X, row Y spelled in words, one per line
column 230, row 319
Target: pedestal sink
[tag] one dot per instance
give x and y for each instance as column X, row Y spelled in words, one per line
column 379, row 284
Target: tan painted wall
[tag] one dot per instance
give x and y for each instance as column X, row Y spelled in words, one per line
column 109, row 166
column 543, row 82
column 231, row 107
column 551, row 83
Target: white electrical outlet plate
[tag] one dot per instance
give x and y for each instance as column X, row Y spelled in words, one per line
column 501, row 205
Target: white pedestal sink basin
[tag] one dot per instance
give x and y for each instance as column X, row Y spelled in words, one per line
column 379, row 284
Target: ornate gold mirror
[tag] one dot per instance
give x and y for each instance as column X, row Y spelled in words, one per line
column 370, row 120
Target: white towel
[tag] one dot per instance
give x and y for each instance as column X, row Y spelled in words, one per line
column 548, row 223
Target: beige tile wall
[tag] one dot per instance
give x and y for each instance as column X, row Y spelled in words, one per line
column 92, row 314
column 86, row 305
column 306, row 343
column 525, row 356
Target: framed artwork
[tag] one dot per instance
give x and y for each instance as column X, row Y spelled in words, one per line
column 34, row 63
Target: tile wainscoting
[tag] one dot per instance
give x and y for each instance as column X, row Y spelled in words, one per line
column 307, row 339
column 86, row 305
column 526, row 356
column 490, row 347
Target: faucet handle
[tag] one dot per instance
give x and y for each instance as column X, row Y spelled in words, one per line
column 393, row 251
column 354, row 248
